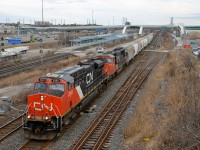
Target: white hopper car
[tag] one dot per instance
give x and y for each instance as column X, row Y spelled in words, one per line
column 135, row 47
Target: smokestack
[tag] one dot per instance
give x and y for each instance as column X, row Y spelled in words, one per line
column 172, row 21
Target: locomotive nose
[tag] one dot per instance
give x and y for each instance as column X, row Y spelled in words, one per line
column 41, row 108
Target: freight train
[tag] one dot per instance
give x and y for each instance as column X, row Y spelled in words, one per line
column 58, row 96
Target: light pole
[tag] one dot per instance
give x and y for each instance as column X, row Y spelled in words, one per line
column 42, row 19
column 92, row 17
column 41, row 51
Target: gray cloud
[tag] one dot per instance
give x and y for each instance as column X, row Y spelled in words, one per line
column 65, row 1
column 137, row 11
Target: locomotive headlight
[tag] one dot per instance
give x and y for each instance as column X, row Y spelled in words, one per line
column 46, row 118
column 29, row 116
column 42, row 98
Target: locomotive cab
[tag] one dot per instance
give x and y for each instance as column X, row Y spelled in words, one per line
column 110, row 67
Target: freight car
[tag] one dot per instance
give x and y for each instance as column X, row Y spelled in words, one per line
column 131, row 50
column 58, row 96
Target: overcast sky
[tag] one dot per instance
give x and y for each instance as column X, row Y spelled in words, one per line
column 105, row 12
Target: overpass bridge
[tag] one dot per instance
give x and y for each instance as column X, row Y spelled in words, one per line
column 98, row 28
column 192, row 27
column 124, row 28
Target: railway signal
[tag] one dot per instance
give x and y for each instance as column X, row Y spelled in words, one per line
column 1, row 47
column 41, row 52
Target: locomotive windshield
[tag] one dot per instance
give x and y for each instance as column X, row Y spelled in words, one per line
column 57, row 86
column 109, row 60
column 40, row 86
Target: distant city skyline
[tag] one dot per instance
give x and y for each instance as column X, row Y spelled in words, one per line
column 154, row 12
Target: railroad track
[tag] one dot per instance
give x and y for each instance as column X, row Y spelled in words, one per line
column 9, row 64
column 97, row 135
column 171, row 44
column 11, row 127
column 6, row 70
column 39, row 145
column 159, row 40
column 34, row 145
column 156, row 42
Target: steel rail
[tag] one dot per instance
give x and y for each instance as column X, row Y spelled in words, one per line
column 10, row 127
column 4, row 72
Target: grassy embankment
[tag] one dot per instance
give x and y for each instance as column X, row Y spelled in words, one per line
column 167, row 115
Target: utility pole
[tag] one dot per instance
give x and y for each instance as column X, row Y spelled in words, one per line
column 1, row 46
column 42, row 19
column 18, row 27
column 113, row 20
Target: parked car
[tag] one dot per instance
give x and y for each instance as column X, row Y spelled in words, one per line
column 100, row 49
column 38, row 39
column 197, row 52
column 7, row 38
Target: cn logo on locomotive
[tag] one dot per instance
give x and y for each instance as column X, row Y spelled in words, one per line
column 40, row 106
column 89, row 77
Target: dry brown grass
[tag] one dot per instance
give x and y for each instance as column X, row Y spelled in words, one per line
column 46, row 45
column 21, row 97
column 29, row 75
column 194, row 36
column 19, row 78
column 165, row 109
column 143, row 124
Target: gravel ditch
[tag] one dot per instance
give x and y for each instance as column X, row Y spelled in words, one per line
column 14, row 142
column 117, row 140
